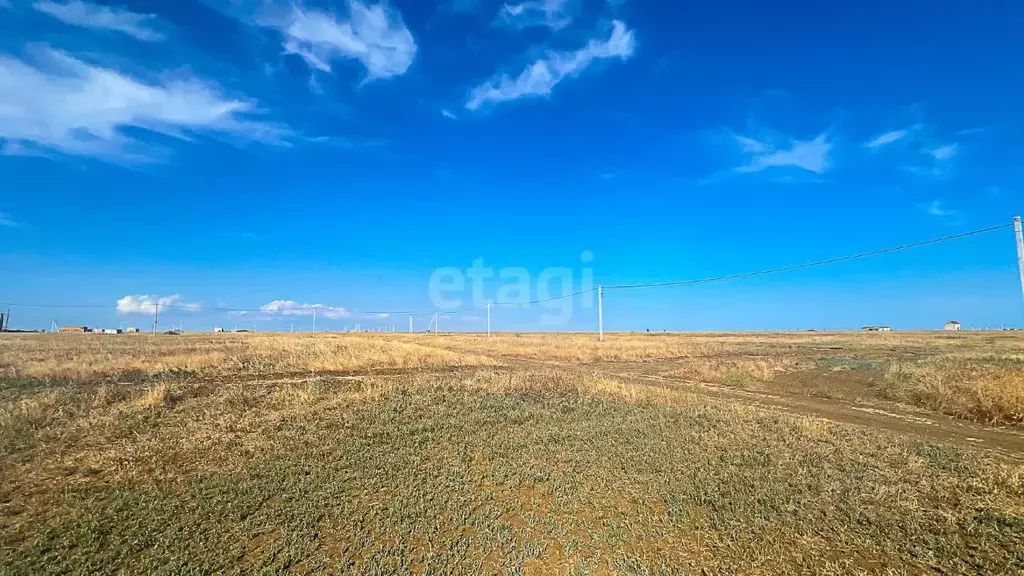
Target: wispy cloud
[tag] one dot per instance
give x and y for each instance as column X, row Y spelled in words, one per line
column 809, row 155
column 972, row 131
column 448, row 114
column 554, row 14
column 21, row 149
column 292, row 308
column 750, row 145
column 375, row 35
column 938, row 209
column 86, row 15
column 8, row 222
column 349, row 142
column 943, row 153
column 888, row 138
column 539, row 78
column 936, row 162
column 66, row 105
column 145, row 304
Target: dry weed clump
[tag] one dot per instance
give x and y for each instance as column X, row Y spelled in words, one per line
column 30, row 413
column 960, row 387
column 736, row 371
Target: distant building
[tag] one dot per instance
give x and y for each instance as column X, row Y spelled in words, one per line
column 132, row 330
column 218, row 329
column 951, row 325
column 111, row 330
column 74, row 329
column 876, row 329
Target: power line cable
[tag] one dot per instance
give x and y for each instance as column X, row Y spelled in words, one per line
column 808, row 264
column 531, row 302
column 310, row 309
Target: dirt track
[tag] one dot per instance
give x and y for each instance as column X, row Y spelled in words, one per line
column 861, row 411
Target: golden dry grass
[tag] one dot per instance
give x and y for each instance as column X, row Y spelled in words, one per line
column 87, row 356
column 968, row 375
column 491, row 470
column 961, row 387
column 584, row 347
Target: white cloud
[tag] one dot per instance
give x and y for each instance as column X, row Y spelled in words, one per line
column 938, row 209
column 539, row 78
column 972, row 131
column 887, row 138
column 292, row 308
column 145, row 304
column 554, row 14
column 809, row 155
column 7, row 221
column 72, row 107
column 85, row 15
column 943, row 153
column 21, row 149
column 374, row 35
column 750, row 145
column 937, row 162
column 448, row 114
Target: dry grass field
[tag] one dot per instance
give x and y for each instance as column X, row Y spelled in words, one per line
column 751, row 453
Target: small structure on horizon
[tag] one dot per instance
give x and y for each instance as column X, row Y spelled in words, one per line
column 132, row 330
column 876, row 329
column 74, row 329
column 951, row 325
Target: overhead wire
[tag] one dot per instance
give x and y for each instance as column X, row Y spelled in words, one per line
column 310, row 309
column 807, row 264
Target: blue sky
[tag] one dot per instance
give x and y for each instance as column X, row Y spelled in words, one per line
column 269, row 156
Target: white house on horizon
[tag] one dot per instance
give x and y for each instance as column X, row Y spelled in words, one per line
column 951, row 325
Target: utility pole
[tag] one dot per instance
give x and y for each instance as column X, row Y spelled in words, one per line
column 600, row 313
column 410, row 323
column 437, row 323
column 314, row 319
column 488, row 319
column 1020, row 251
column 156, row 316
